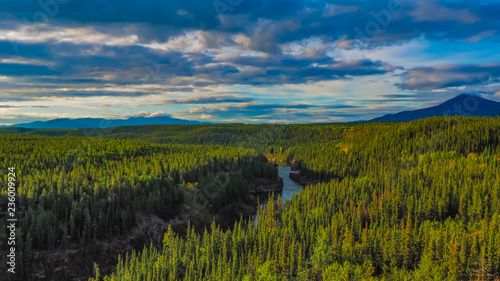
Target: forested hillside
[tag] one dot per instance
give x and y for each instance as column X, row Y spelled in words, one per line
column 80, row 190
column 273, row 139
column 416, row 200
column 401, row 201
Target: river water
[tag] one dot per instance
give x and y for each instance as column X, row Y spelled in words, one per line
column 289, row 188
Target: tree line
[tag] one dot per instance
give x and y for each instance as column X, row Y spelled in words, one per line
column 396, row 201
column 80, row 190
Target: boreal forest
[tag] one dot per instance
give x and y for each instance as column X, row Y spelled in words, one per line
column 415, row 200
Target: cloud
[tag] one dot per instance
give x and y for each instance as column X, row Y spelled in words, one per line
column 445, row 76
column 22, row 106
column 11, row 119
column 398, row 96
column 206, row 116
column 432, row 11
column 273, row 112
column 58, row 34
column 151, row 114
column 269, row 24
column 210, row 99
column 334, row 10
column 287, row 69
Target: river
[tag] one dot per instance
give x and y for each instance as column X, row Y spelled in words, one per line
column 289, row 188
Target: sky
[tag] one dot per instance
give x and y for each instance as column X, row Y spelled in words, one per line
column 259, row 61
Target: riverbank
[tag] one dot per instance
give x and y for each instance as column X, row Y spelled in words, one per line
column 302, row 180
column 256, row 186
column 290, row 188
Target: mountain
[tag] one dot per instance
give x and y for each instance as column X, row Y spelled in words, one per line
column 82, row 123
column 463, row 105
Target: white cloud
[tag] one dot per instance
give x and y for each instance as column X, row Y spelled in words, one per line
column 20, row 60
column 480, row 36
column 83, row 35
column 206, row 116
column 151, row 114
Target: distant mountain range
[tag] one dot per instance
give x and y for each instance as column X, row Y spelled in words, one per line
column 463, row 105
column 82, row 123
